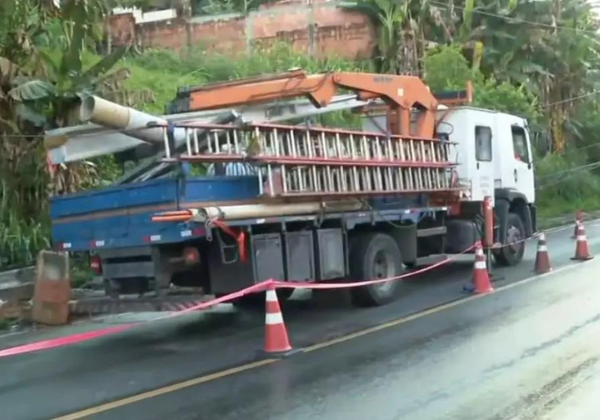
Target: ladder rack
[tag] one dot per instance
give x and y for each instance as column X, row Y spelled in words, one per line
column 306, row 161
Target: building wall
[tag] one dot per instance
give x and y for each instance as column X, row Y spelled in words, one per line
column 318, row 27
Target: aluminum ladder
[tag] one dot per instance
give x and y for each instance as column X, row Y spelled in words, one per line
column 309, row 161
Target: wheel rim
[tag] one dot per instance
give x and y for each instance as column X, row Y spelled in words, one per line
column 514, row 239
column 383, row 267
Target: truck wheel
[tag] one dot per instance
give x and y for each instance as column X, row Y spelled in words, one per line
column 512, row 254
column 375, row 256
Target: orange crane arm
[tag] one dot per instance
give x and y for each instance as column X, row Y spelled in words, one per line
column 400, row 93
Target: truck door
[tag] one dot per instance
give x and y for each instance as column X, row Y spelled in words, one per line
column 522, row 163
column 483, row 173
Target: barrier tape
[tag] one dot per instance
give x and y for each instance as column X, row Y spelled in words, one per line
column 537, row 234
column 78, row 338
column 306, row 285
column 86, row 336
column 63, row 341
column 90, row 335
column 258, row 287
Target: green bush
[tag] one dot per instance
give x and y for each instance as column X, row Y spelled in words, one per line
column 195, row 66
column 566, row 184
column 213, row 67
column 23, row 205
column 447, row 69
column 162, row 83
column 164, row 71
column 563, row 183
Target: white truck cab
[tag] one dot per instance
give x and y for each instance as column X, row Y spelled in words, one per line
column 493, row 151
column 494, row 157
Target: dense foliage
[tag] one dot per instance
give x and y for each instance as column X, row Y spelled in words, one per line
column 539, row 59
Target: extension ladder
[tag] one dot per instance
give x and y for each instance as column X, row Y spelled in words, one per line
column 305, row 161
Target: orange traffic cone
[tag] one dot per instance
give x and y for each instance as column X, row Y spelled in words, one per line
column 542, row 259
column 582, row 251
column 481, row 277
column 578, row 221
column 276, row 337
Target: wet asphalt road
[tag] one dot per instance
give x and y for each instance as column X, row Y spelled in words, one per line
column 527, row 351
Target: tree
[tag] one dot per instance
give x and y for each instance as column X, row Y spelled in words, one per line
column 39, row 80
column 405, row 30
column 549, row 47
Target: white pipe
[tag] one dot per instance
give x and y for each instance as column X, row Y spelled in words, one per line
column 274, row 210
column 111, row 115
column 70, row 144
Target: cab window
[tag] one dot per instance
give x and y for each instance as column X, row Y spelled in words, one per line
column 483, row 143
column 520, row 144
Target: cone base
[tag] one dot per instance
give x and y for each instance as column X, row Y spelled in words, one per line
column 263, row 354
column 589, row 257
column 542, row 264
column 482, row 282
column 483, row 290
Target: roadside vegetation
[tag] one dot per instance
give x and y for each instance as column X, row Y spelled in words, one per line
column 537, row 59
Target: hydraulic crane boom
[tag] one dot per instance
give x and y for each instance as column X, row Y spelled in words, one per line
column 401, row 93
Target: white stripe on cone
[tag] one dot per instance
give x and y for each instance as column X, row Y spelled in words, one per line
column 480, row 265
column 274, row 319
column 271, row 296
column 542, row 248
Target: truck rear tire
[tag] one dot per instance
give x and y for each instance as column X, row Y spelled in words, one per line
column 510, row 255
column 375, row 256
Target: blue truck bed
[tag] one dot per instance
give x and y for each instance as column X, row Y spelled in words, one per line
column 119, row 216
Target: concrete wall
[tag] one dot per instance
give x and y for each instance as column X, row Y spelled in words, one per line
column 317, row 27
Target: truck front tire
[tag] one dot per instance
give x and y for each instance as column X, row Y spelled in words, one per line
column 510, row 255
column 375, row 256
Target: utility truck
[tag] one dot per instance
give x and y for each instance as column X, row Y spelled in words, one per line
column 313, row 204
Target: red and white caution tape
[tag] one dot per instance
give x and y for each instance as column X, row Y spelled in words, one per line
column 78, row 338
column 305, row 285
column 537, row 234
column 63, row 341
column 90, row 335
